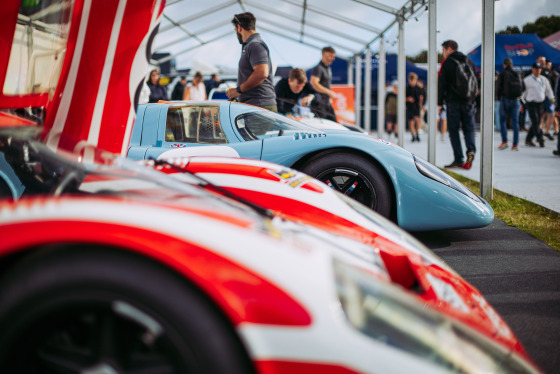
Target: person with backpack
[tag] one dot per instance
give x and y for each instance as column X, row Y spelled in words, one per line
column 458, row 88
column 510, row 86
column 537, row 89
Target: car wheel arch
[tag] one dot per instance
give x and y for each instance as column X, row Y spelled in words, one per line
column 26, row 255
column 299, row 164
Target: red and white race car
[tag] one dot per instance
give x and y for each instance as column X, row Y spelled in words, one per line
column 121, row 268
column 300, row 198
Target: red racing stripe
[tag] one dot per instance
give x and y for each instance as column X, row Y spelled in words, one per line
column 292, row 367
column 244, row 296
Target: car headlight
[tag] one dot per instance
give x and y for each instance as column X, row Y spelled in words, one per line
column 432, row 172
column 387, row 314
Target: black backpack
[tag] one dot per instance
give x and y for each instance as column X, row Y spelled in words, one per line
column 466, row 85
column 513, row 84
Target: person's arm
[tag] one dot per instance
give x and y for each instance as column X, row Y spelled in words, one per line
column 280, row 91
column 441, row 84
column 525, row 90
column 187, row 93
column 548, row 90
column 259, row 74
column 557, row 96
column 408, row 92
column 307, row 94
column 259, row 60
column 205, row 93
column 320, row 88
column 500, row 86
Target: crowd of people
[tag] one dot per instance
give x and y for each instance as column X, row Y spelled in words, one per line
column 516, row 95
column 533, row 94
column 255, row 83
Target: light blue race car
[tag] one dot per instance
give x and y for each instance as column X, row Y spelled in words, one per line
column 381, row 175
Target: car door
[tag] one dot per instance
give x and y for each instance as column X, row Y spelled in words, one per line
column 193, row 125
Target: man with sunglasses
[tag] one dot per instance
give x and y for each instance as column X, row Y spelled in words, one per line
column 254, row 77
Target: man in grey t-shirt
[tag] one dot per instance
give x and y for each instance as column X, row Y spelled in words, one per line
column 321, row 78
column 254, row 78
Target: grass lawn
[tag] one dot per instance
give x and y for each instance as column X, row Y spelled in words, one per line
column 534, row 219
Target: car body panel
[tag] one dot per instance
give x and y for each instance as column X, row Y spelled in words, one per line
column 303, row 199
column 277, row 288
column 421, row 203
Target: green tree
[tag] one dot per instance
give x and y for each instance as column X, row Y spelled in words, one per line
column 422, row 57
column 510, row 30
column 543, row 27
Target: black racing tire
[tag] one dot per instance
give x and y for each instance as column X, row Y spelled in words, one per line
column 80, row 310
column 342, row 170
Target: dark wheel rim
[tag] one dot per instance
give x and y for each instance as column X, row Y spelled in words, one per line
column 351, row 183
column 96, row 337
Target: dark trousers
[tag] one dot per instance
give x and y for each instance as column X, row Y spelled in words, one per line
column 509, row 107
column 535, row 111
column 461, row 115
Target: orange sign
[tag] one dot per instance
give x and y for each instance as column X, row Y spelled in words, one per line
column 343, row 103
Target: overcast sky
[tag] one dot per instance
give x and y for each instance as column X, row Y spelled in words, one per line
column 460, row 20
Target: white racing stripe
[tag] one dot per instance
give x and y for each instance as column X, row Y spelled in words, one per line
column 64, row 106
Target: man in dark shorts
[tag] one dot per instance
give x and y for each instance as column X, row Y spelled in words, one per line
column 321, row 78
column 290, row 90
column 414, row 100
column 254, row 78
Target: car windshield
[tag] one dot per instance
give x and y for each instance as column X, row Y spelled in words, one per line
column 265, row 124
column 38, row 48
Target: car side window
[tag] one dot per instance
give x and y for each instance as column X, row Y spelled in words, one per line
column 194, row 124
column 265, row 124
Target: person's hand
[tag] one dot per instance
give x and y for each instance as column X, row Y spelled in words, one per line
column 307, row 100
column 232, row 93
column 409, row 99
column 332, row 95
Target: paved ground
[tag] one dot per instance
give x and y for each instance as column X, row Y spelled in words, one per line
column 518, row 274
column 531, row 173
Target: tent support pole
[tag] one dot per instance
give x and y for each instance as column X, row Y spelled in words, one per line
column 432, row 81
column 358, row 89
column 401, row 73
column 350, row 71
column 487, row 100
column 381, row 61
column 367, row 91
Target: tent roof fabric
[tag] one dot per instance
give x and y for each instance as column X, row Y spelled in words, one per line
column 311, row 31
column 553, row 40
column 523, row 49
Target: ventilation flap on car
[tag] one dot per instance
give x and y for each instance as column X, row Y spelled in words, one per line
column 307, row 135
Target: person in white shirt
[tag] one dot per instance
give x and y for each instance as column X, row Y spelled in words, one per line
column 537, row 88
column 196, row 90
